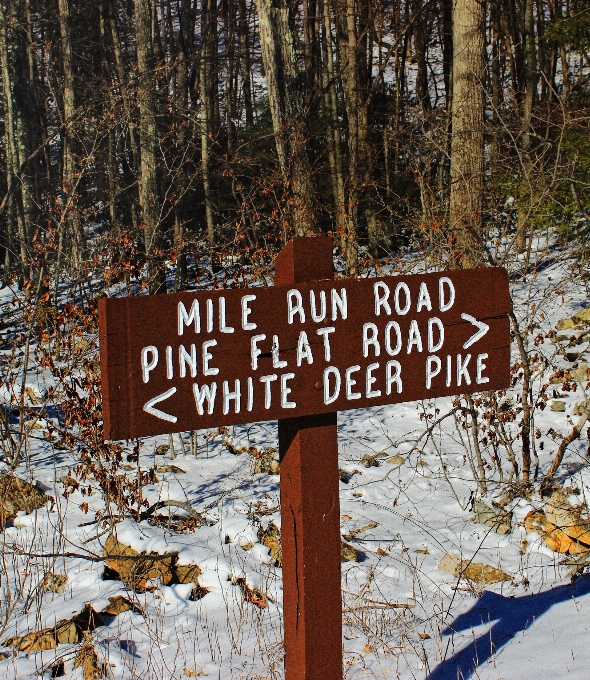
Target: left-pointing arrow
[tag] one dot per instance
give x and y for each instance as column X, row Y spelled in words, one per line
column 162, row 415
column 482, row 327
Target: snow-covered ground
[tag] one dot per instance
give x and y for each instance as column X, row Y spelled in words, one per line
column 403, row 616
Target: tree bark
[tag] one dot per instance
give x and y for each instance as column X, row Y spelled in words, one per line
column 289, row 114
column 70, row 215
column 149, row 197
column 208, row 73
column 467, row 142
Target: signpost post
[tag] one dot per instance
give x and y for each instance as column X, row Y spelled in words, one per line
column 299, row 352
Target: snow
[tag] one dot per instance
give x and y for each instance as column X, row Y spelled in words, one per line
column 534, row 626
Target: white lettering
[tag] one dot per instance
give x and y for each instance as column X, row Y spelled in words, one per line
column 185, row 358
column 339, row 302
column 480, row 379
column 449, row 370
column 228, row 396
column 370, row 380
column 303, row 349
column 247, row 325
column 329, row 398
column 381, row 301
column 423, row 298
column 150, row 406
column 445, row 305
column 205, row 393
column 210, row 315
column 250, row 401
column 433, row 365
column 462, row 369
column 255, row 351
column 314, row 315
column 398, row 289
column 169, row 364
column 324, row 332
column 370, row 334
column 223, row 327
column 393, row 371
column 350, row 383
column 295, row 306
column 148, row 365
column 267, row 379
column 207, row 356
column 185, row 319
column 277, row 362
column 285, row 391
column 392, row 352
column 414, row 337
column 432, row 346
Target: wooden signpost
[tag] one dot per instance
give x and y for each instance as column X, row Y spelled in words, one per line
column 299, row 352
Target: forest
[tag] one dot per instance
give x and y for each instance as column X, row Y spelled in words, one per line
column 150, row 147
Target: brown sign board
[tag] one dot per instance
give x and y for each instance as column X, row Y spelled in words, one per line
column 194, row 360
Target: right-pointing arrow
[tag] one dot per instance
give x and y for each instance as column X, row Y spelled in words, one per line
column 162, row 415
column 482, row 329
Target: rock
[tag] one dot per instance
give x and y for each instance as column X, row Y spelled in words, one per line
column 266, row 461
column 267, row 466
column 396, row 460
column 271, row 538
column 88, row 619
column 118, row 604
column 558, row 405
column 451, row 563
column 186, row 573
column 344, row 476
column 38, row 641
column 54, row 583
column 474, row 571
column 581, row 374
column 553, row 537
column 162, row 450
column 348, row 553
column 369, row 461
column 87, row 659
column 582, row 316
column 581, row 407
column 499, row 520
column 563, row 324
column 70, row 483
column 170, row 468
column 136, row 573
column 569, row 518
column 253, row 595
column 67, row 633
column 18, row 495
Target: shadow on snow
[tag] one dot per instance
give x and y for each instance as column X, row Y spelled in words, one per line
column 509, row 616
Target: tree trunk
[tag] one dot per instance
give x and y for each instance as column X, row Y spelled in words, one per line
column 333, row 125
column 15, row 222
column 25, row 121
column 467, row 142
column 149, row 197
column 208, row 73
column 71, row 214
column 289, row 113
